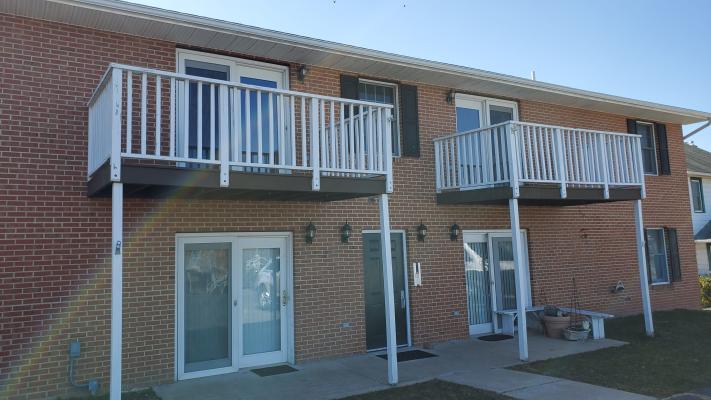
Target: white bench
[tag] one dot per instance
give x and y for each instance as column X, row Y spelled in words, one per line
column 597, row 319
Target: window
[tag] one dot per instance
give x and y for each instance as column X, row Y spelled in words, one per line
column 657, row 256
column 474, row 112
column 697, row 195
column 384, row 93
column 649, row 147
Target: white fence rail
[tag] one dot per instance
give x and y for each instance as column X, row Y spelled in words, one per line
column 519, row 153
column 146, row 114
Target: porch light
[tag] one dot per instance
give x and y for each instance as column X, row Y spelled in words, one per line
column 310, row 232
column 421, row 232
column 450, row 97
column 454, row 232
column 302, row 72
column 345, row 232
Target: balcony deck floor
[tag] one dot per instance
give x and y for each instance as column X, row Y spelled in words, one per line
column 154, row 181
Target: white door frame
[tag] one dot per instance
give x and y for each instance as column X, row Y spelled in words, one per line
column 488, row 235
column 406, row 283
column 482, row 104
column 233, row 238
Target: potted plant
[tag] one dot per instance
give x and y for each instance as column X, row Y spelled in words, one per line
column 578, row 329
column 555, row 321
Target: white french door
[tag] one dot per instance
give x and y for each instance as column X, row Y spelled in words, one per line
column 233, row 295
column 257, row 145
column 490, row 278
column 261, row 276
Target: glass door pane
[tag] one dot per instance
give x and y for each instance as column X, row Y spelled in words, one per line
column 261, row 302
column 207, row 306
column 476, row 267
column 202, row 130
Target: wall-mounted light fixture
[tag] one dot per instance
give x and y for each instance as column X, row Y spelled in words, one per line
column 302, row 72
column 421, row 232
column 454, row 232
column 345, row 232
column 450, row 97
column 310, row 232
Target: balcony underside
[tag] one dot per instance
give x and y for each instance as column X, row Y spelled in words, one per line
column 159, row 181
column 539, row 195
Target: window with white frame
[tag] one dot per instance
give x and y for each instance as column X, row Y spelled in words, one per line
column 697, row 195
column 474, row 112
column 649, row 147
column 384, row 93
column 657, row 256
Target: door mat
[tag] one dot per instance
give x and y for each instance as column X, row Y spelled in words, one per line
column 276, row 370
column 409, row 355
column 495, row 338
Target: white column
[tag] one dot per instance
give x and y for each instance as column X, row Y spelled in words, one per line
column 386, row 254
column 642, row 261
column 521, row 297
column 116, row 288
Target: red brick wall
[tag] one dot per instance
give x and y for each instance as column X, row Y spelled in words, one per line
column 54, row 241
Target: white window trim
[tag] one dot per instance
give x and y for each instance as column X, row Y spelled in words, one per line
column 396, row 108
column 701, row 192
column 666, row 256
column 654, row 147
column 486, row 102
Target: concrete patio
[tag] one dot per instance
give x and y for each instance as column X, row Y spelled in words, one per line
column 470, row 362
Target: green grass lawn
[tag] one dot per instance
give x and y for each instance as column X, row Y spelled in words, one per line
column 430, row 390
column 676, row 360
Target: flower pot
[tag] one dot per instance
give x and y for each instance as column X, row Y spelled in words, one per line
column 555, row 325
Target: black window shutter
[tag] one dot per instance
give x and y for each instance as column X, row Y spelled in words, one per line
column 674, row 263
column 646, row 254
column 410, row 121
column 632, row 126
column 661, row 131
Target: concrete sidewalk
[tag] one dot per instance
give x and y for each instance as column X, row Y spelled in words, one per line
column 470, row 362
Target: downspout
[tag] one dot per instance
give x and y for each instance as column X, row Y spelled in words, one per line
column 697, row 130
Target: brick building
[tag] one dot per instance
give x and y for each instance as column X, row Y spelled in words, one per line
column 100, row 96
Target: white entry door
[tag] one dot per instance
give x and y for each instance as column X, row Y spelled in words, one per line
column 489, row 273
column 232, row 302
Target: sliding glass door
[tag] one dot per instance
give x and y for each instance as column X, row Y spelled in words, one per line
column 232, row 294
column 490, row 278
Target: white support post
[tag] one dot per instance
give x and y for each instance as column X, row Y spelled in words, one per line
column 386, row 254
column 116, row 93
column 642, row 261
column 315, row 147
column 116, row 288
column 388, row 153
column 520, row 279
column 513, row 159
column 605, row 166
column 224, row 137
column 560, row 163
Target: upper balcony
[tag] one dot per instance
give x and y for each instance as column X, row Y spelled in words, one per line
column 538, row 164
column 166, row 134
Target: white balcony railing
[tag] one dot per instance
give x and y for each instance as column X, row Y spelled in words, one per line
column 146, row 114
column 521, row 153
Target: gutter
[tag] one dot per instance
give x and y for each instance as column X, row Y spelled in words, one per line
column 152, row 13
column 697, row 130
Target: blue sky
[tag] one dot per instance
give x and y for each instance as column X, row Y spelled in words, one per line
column 644, row 49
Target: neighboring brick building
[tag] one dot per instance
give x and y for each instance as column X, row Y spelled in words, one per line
column 56, row 247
